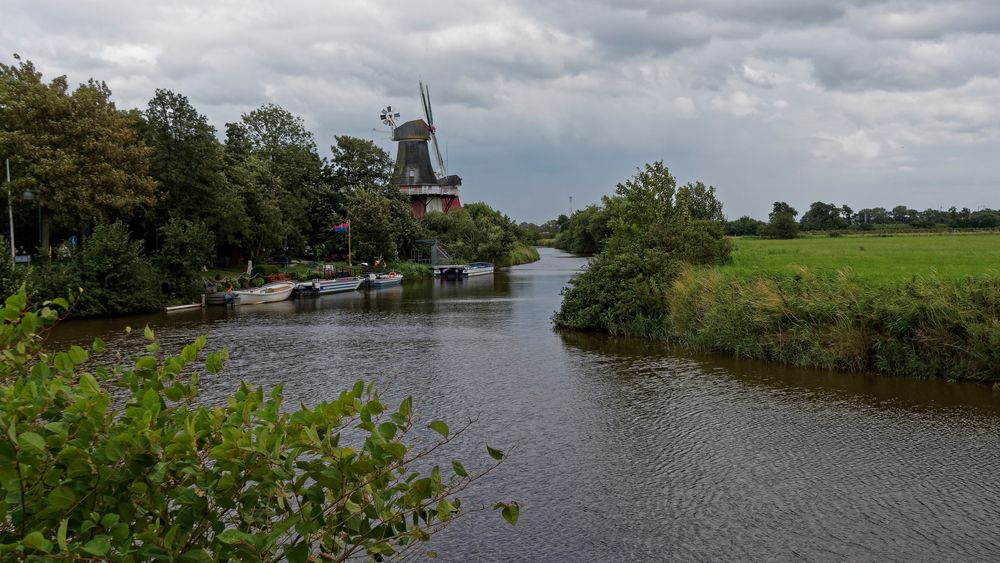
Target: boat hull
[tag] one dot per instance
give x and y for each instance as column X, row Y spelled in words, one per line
column 463, row 270
column 268, row 293
column 386, row 281
column 324, row 287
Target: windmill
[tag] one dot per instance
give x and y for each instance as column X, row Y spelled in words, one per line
column 415, row 174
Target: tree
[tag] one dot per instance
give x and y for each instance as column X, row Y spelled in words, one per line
column 654, row 233
column 476, row 232
column 288, row 166
column 187, row 163
column 822, row 217
column 147, row 471
column 116, row 276
column 781, row 221
column 359, row 162
column 382, row 223
column 81, row 157
column 184, row 251
column 745, row 226
column 585, row 231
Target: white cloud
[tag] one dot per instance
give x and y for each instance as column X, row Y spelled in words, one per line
column 570, row 96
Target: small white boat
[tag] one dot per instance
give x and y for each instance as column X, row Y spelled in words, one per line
column 463, row 270
column 479, row 269
column 384, row 280
column 323, row 287
column 267, row 293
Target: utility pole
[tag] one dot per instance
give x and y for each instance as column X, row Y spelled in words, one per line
column 570, row 206
column 10, row 213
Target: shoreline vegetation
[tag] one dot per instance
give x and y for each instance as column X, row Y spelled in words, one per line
column 900, row 305
column 136, row 204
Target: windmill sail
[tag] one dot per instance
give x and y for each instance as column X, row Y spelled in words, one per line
column 425, row 97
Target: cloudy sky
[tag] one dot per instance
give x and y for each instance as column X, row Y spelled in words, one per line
column 864, row 102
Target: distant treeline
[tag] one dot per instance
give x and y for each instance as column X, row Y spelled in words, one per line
column 585, row 230
column 158, row 187
column 829, row 217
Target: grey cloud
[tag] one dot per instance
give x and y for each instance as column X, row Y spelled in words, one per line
column 767, row 100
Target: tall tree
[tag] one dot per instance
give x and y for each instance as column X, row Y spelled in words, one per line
column 359, row 162
column 82, row 158
column 187, row 163
column 294, row 169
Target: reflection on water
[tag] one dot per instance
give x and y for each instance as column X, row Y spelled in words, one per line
column 627, row 450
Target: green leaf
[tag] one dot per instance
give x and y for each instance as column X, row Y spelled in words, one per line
column 213, row 362
column 77, row 354
column 99, row 546
column 494, row 453
column 439, row 427
column 148, row 333
column 98, row 345
column 36, row 540
column 62, row 497
column 234, row 536
column 16, row 301
column 459, row 469
column 406, row 406
column 298, row 553
column 32, row 441
column 511, row 512
column 61, row 534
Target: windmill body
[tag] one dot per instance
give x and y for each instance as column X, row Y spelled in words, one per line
column 428, row 189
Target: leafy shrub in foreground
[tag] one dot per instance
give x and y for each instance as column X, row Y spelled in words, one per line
column 122, row 463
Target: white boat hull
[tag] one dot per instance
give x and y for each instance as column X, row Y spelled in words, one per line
column 323, row 287
column 268, row 293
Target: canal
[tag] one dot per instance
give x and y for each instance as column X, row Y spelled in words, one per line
column 630, row 451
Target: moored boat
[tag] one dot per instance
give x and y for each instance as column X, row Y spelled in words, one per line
column 323, row 287
column 384, row 280
column 463, row 270
column 479, row 269
column 267, row 293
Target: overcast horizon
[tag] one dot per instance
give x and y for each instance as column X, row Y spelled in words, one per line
column 866, row 103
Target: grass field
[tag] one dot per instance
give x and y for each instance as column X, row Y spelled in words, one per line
column 878, row 260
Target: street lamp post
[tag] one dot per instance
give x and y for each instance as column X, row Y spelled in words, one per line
column 10, row 212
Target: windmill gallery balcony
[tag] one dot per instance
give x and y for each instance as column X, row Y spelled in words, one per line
column 413, row 190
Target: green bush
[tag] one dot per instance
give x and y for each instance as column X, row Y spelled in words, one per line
column 184, row 251
column 123, row 464
column 117, row 279
column 655, row 228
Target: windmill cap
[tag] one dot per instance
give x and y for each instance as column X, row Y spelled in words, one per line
column 416, row 130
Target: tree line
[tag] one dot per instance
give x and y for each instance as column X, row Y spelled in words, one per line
column 159, row 186
column 822, row 216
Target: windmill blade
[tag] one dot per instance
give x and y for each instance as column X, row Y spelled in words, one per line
column 437, row 151
column 430, row 110
column 427, row 112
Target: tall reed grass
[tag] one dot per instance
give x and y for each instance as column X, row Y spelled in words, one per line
column 927, row 326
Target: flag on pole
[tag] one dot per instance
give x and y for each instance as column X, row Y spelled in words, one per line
column 341, row 228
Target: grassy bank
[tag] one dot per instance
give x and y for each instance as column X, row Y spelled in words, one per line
column 926, row 326
column 926, row 306
column 522, row 254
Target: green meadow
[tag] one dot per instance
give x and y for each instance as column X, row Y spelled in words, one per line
column 875, row 259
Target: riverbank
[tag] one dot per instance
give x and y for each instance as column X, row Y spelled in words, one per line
column 924, row 327
column 521, row 254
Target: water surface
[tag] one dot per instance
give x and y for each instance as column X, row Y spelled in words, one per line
column 629, row 451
